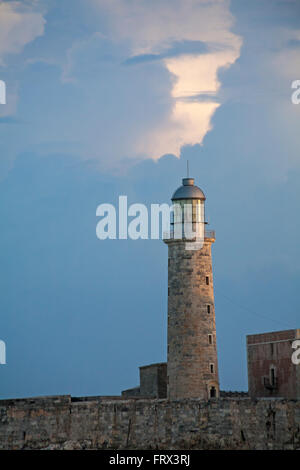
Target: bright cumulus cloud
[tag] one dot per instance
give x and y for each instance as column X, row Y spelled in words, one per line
column 141, row 79
column 158, row 30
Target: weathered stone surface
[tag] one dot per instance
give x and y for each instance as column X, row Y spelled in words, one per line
column 192, row 352
column 101, row 423
column 271, row 372
column 153, row 380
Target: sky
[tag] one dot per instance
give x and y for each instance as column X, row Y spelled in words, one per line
column 112, row 97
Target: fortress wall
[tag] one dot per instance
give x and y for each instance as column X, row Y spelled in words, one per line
column 60, row 422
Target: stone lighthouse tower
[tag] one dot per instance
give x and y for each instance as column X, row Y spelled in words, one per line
column 192, row 367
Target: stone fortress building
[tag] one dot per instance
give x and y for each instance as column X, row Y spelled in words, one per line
column 178, row 404
column 271, row 371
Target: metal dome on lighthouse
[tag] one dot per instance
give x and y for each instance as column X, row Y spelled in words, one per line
column 188, row 191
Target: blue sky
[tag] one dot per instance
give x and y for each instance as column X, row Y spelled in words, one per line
column 106, row 98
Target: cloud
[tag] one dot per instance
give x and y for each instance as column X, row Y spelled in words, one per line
column 9, row 109
column 191, row 40
column 190, row 120
column 152, row 27
column 142, row 81
column 286, row 60
column 19, row 25
column 283, row 67
column 181, row 47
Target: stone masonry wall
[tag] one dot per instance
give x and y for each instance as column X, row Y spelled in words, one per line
column 153, row 380
column 102, row 423
column 268, row 351
column 192, row 350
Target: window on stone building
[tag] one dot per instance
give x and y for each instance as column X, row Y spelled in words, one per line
column 211, row 368
column 207, row 280
column 272, row 373
column 213, row 392
column 208, row 308
column 209, row 339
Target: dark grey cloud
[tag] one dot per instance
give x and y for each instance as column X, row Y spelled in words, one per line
column 177, row 48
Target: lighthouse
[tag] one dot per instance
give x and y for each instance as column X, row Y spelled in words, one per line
column 192, row 364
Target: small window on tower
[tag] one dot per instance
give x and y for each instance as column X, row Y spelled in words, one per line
column 208, row 308
column 211, row 368
column 209, row 339
column 207, row 280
